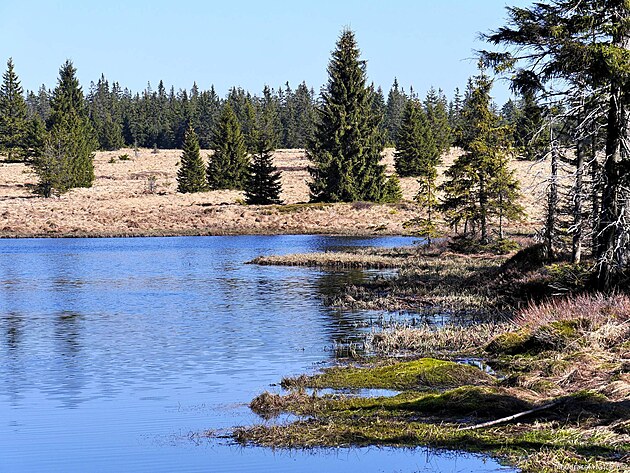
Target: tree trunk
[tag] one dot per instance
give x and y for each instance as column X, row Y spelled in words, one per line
column 595, row 190
column 576, row 254
column 552, row 204
column 483, row 209
column 614, row 232
column 501, row 216
column 430, row 208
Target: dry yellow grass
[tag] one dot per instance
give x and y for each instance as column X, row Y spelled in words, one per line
column 120, row 204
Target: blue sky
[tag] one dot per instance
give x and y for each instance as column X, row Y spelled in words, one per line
column 246, row 43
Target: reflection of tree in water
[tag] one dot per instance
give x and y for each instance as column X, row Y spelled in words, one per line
column 13, row 331
column 344, row 326
column 13, row 366
column 67, row 334
column 69, row 372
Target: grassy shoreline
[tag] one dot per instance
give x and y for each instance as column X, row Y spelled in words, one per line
column 241, row 231
column 567, row 360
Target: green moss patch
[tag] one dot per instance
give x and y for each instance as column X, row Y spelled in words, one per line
column 510, row 343
column 556, row 335
column 409, row 375
column 465, row 401
column 469, row 401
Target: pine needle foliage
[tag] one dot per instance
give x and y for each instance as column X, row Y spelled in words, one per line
column 263, row 183
column 13, row 116
column 436, row 107
column 347, row 144
column 68, row 154
column 191, row 175
column 415, row 147
column 394, row 112
column 228, row 166
column 480, row 188
column 262, row 186
column 418, row 155
column 392, row 192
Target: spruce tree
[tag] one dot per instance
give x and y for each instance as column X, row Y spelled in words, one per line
column 288, row 117
column 437, row 115
column 454, row 110
column 38, row 105
column 417, row 155
column 35, row 139
column 415, row 146
column 13, row 116
column 227, row 167
column 427, row 199
column 248, row 127
column 479, row 185
column 262, row 186
column 394, row 112
column 191, row 175
column 504, row 191
column 54, row 165
column 584, row 45
column 70, row 145
column 209, row 107
column 347, row 146
column 101, row 111
column 531, row 136
column 392, row 192
column 304, row 113
column 379, row 109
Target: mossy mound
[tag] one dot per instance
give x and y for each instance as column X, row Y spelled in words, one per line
column 510, row 343
column 409, row 375
column 469, row 401
column 466, row 401
column 527, row 259
column 556, row 335
column 590, row 404
column 269, row 405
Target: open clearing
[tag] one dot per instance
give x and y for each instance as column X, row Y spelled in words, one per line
column 138, row 196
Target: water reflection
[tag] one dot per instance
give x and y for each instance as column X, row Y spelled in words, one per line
column 104, row 340
column 12, row 328
column 13, row 331
column 68, row 376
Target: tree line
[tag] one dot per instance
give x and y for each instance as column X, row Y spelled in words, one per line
column 344, row 132
column 566, row 59
column 159, row 118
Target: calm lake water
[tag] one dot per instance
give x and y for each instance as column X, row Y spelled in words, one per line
column 115, row 353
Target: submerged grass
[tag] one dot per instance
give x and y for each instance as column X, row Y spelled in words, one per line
column 447, row 282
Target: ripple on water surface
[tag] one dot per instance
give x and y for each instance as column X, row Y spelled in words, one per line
column 116, row 353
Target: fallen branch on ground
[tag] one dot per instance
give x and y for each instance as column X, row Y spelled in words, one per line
column 512, row 417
